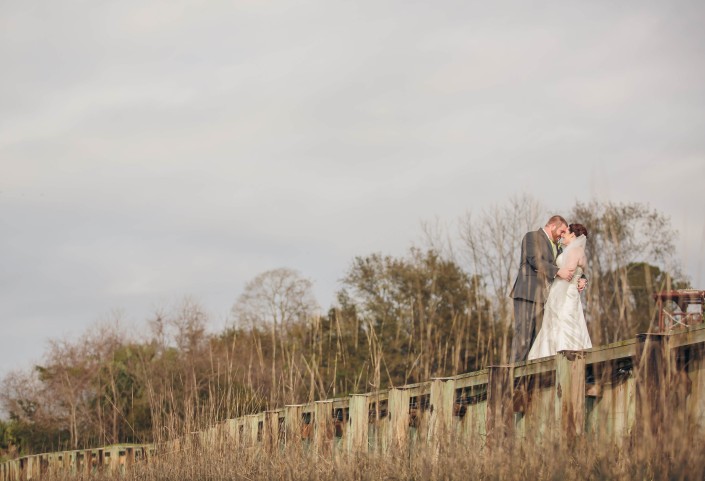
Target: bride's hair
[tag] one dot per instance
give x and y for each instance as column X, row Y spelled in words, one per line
column 578, row 230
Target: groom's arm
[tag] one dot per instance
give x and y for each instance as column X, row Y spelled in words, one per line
column 536, row 256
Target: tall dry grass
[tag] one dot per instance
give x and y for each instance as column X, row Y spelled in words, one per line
column 670, row 457
column 665, row 452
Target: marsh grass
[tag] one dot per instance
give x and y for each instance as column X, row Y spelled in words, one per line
column 671, row 456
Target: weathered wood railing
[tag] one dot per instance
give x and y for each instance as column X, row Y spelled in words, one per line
column 612, row 393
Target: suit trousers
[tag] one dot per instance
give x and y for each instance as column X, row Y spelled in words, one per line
column 526, row 313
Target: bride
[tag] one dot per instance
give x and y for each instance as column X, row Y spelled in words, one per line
column 564, row 327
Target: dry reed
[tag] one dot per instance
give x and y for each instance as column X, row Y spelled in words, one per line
column 673, row 456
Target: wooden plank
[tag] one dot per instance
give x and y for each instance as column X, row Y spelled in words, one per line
column 241, row 431
column 653, row 373
column 271, row 431
column 323, row 427
column 471, row 379
column 686, row 361
column 308, row 413
column 259, row 428
column 293, row 425
column 112, row 459
column 694, row 387
column 230, row 432
column 693, row 335
column 610, row 352
column 358, row 423
column 473, row 426
column 534, row 401
column 570, row 394
column 500, row 412
column 534, row 367
column 441, row 416
column 129, row 458
column 418, row 389
column 378, row 420
column 398, row 432
column 250, row 425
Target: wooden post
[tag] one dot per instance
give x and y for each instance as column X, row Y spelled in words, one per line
column 86, row 462
column 308, row 413
column 398, row 432
column 101, row 458
column 54, row 463
column 80, row 462
column 130, row 460
column 208, row 438
column 358, row 423
column 270, row 435
column 441, row 419
column 74, row 462
column 323, row 427
column 500, row 409
column 570, row 394
column 257, row 429
column 113, row 459
column 243, row 435
column 249, row 430
column 653, row 375
column 230, row 432
column 292, row 425
column 341, row 412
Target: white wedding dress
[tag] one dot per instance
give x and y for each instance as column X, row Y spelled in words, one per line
column 564, row 327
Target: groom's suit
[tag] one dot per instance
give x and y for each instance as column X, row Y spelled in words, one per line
column 537, row 268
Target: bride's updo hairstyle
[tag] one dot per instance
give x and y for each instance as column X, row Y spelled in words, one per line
column 578, row 230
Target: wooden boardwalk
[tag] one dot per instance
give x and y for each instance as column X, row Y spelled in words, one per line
column 612, row 393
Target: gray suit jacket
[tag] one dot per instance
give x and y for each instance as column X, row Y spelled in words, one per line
column 537, row 268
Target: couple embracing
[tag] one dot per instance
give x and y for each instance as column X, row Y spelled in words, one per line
column 547, row 289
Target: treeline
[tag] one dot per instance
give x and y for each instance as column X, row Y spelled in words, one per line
column 441, row 309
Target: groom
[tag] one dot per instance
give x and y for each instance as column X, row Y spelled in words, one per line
column 537, row 269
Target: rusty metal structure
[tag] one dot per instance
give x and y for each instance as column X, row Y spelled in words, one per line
column 679, row 308
column 612, row 393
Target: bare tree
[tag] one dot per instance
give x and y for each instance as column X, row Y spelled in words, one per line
column 626, row 242
column 490, row 244
column 67, row 374
column 275, row 300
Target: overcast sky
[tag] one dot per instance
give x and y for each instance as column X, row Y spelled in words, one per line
column 153, row 150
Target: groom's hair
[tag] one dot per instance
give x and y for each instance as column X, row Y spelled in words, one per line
column 556, row 220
